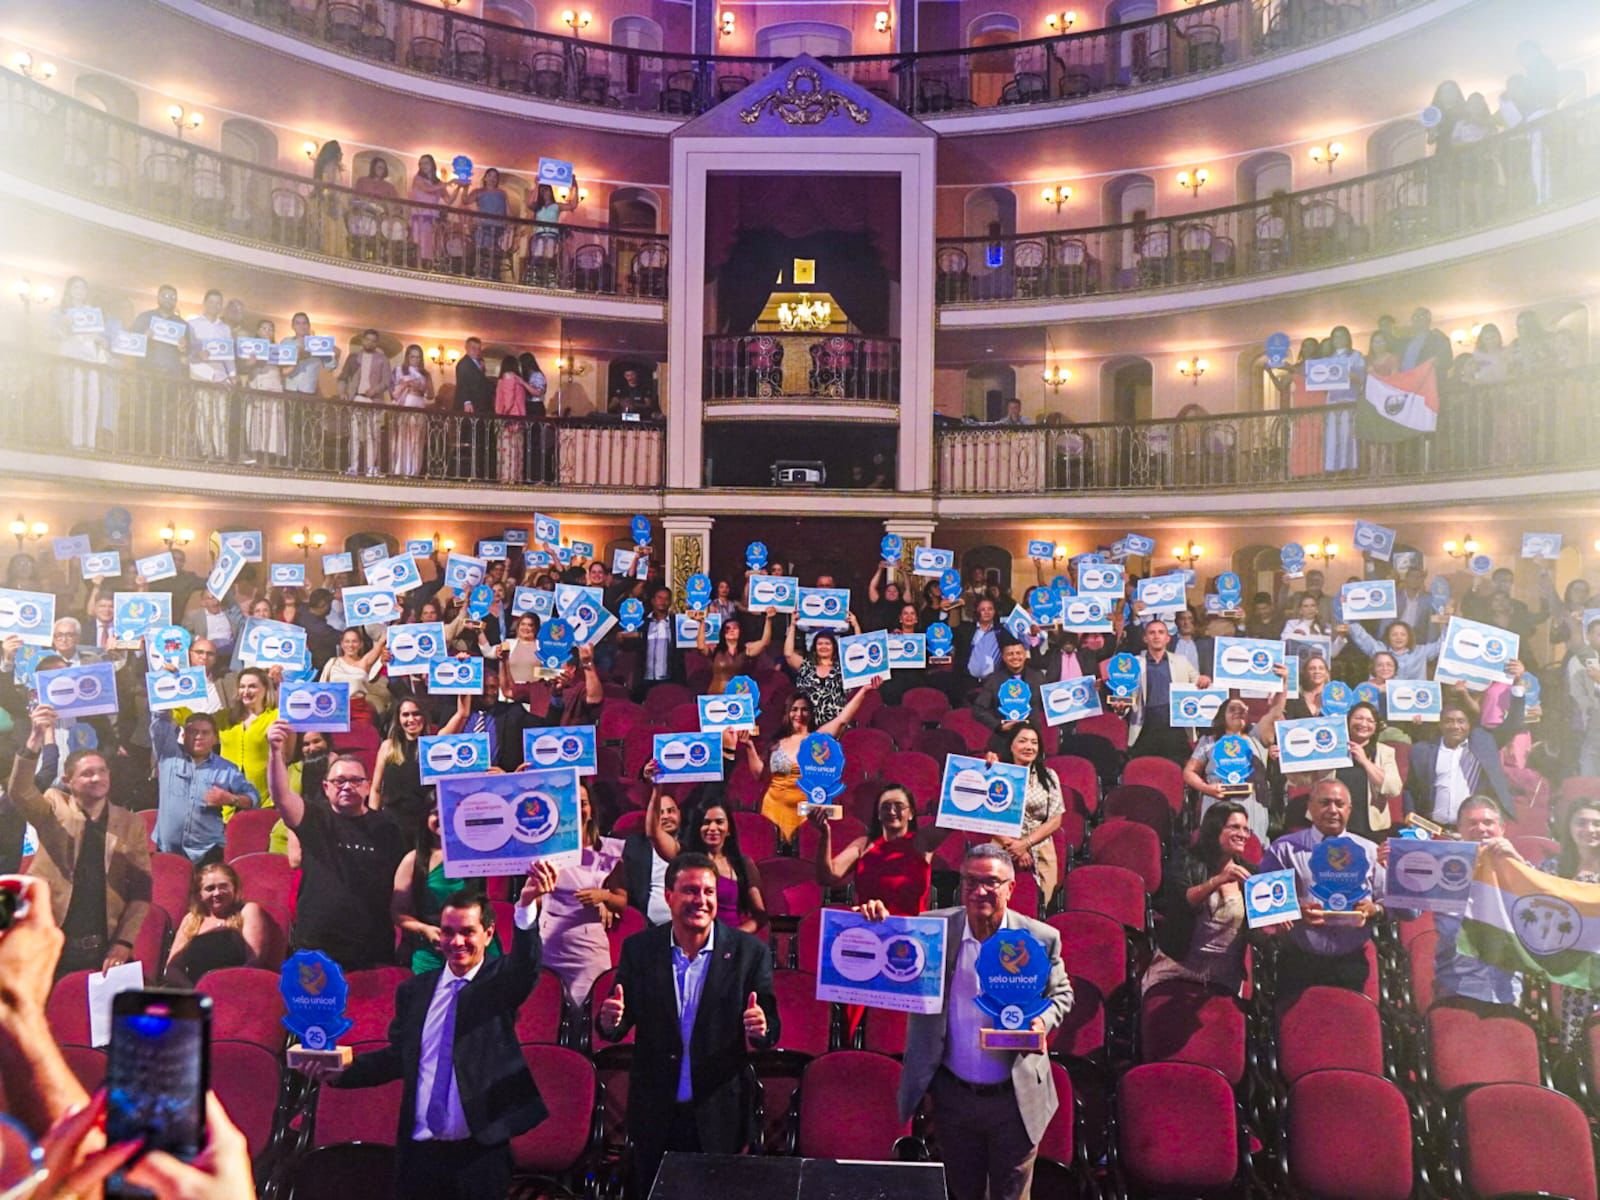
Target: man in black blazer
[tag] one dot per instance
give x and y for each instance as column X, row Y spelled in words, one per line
column 475, row 399
column 698, row 994
column 975, row 650
column 1464, row 760
column 453, row 1042
column 1014, row 664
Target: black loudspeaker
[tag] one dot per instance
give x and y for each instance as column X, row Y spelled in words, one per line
column 748, row 1177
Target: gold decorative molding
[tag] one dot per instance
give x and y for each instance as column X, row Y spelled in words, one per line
column 685, row 556
column 808, row 105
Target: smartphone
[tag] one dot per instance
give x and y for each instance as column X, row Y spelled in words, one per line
column 157, row 1074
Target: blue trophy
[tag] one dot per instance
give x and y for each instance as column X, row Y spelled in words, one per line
column 821, row 774
column 1122, row 676
column 314, row 997
column 1230, row 590
column 891, row 548
column 1234, row 762
column 555, row 644
column 1045, row 605
column 1014, row 700
column 950, row 584
column 1293, row 558
column 1013, row 972
column 1339, row 870
column 630, row 614
column 1337, row 697
column 697, row 592
column 941, row 642
column 755, row 555
column 639, row 527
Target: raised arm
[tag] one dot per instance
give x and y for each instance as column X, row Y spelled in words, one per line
column 758, row 647
column 457, row 719
column 666, row 845
column 833, row 870
column 848, row 712
column 794, row 660
column 284, row 797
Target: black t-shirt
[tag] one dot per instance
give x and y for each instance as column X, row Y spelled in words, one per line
column 86, row 910
column 347, row 874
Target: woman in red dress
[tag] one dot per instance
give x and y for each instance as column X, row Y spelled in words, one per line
column 892, row 861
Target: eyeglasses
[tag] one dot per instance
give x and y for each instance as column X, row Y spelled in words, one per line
column 979, row 883
column 349, row 781
column 894, row 806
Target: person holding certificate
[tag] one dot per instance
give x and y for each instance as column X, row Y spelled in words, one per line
column 1201, row 934
column 992, row 1106
column 1202, row 774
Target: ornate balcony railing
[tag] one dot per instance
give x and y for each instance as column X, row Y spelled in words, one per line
column 69, row 146
column 124, row 414
column 798, row 366
column 1543, row 164
column 1537, row 423
column 440, row 43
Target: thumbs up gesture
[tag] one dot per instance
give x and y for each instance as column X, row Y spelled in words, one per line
column 755, row 1019
column 611, row 1009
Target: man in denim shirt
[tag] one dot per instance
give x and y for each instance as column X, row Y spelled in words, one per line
column 195, row 782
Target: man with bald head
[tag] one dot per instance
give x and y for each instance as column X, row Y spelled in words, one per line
column 1325, row 948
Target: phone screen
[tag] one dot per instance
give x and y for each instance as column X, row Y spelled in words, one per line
column 157, row 1073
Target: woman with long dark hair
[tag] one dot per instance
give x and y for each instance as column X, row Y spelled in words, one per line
column 1201, row 934
column 708, row 828
column 732, row 655
column 780, row 803
column 891, row 862
column 1578, row 836
column 397, row 785
column 417, row 898
column 1043, row 808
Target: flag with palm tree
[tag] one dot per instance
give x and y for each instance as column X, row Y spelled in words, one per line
column 1521, row 919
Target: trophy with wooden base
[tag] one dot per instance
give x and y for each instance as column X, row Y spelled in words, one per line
column 1013, row 972
column 1340, row 879
column 314, row 996
column 1234, row 762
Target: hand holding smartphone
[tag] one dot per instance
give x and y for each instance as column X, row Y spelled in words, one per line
column 157, row 1075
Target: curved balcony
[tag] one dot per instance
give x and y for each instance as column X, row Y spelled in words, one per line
column 777, row 371
column 1537, row 424
column 1544, row 165
column 156, row 420
column 439, row 44
column 81, row 150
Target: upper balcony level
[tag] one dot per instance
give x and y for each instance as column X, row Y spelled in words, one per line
column 421, row 46
column 115, row 166
column 1543, row 165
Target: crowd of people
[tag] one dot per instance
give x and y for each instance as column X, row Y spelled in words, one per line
column 362, row 831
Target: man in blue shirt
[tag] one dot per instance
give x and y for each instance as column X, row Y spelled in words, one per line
column 194, row 783
column 1456, row 974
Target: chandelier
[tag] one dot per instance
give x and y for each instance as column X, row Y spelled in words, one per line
column 805, row 316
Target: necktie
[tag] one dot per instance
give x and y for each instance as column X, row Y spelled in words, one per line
column 1470, row 770
column 438, row 1113
column 105, row 637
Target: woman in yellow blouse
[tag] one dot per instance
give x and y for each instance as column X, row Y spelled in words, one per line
column 244, row 739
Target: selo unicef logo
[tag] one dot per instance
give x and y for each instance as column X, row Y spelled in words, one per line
column 63, row 690
column 445, row 757
column 683, row 756
column 864, row 656
column 166, row 686
column 19, row 613
column 554, row 749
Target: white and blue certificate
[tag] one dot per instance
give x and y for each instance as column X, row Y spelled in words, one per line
column 980, row 797
column 896, row 963
column 497, row 824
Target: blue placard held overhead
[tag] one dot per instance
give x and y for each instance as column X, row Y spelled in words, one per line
column 546, row 529
column 452, row 754
column 463, row 572
column 780, row 593
column 890, row 548
column 533, row 600
column 1086, row 614
column 497, row 824
column 929, row 563
column 315, row 707
column 863, row 658
column 156, row 567
column 413, row 648
column 1313, row 744
column 940, row 641
column 86, row 691
column 1249, row 663
column 556, row 640
column 1043, row 550
column 821, row 761
column 184, row 688
column 456, row 676
column 1374, row 540
column 287, row 575
column 133, row 613
column 823, row 608
column 1230, row 591
column 101, row 564
column 733, row 712
column 571, row 746
column 1070, row 700
column 340, row 563
column 687, row 757
column 1196, row 708
column 1122, row 676
column 697, row 592
column 1277, row 350
column 639, row 527
column 1044, row 604
column 755, row 555
column 1293, row 558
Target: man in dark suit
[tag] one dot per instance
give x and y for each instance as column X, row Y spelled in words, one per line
column 475, row 402
column 975, row 650
column 1013, row 665
column 1464, row 760
column 698, row 994
column 453, row 1042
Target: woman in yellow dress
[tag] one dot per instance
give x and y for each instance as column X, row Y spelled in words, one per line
column 783, row 795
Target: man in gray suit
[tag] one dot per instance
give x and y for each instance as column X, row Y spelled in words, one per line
column 991, row 1107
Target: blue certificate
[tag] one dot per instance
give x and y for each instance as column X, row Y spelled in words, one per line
column 1163, row 593
column 1041, row 549
column 1139, row 545
column 1102, row 579
column 133, row 613
column 322, row 346
column 168, row 332
column 907, row 651
column 253, row 349
column 1070, row 700
column 1368, row 599
column 492, row 550
column 1404, row 699
column 287, row 574
column 156, row 567
column 315, row 707
column 515, row 537
column 1019, row 623
column 780, row 593
column 546, row 529
column 929, row 563
column 897, row 963
column 452, row 754
column 582, row 549
column 87, row 691
column 183, row 688
column 570, row 595
column 338, row 564
column 1247, row 663
column 537, row 601
column 1430, row 876
column 685, row 631
column 979, row 797
column 398, row 574
column 1541, row 545
column 1196, row 708
column 629, row 563
column 456, row 676
column 167, row 648
column 1087, row 614
column 688, row 757
column 1475, row 653
column 65, row 548
column 415, row 647
column 1270, row 899
column 570, row 746
column 370, row 605
column 376, row 552
column 1374, row 540
column 419, row 547
column 107, row 564
column 224, row 572
column 863, row 657
column 498, row 824
column 1313, row 744
column 263, row 642
column 728, row 711
column 823, row 608
column 130, row 345
column 247, row 542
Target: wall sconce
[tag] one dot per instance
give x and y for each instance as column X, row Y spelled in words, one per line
column 443, row 543
column 30, row 295
column 306, row 540
column 39, row 72
column 440, row 357
column 880, row 20
column 561, row 194
column 183, row 119
column 310, row 149
column 571, row 367
column 1464, row 549
column 25, row 530
column 1192, row 368
column 175, row 538
column 1328, row 154
column 1188, row 554
column 576, row 21
column 1055, row 377
column 1324, row 551
column 1460, row 337
column 1193, row 181
column 1062, row 21
column 727, row 23
column 1057, row 195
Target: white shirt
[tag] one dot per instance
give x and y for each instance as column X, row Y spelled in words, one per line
column 1449, row 783
column 962, row 1054
column 201, row 328
column 658, row 648
column 428, row 1063
column 218, row 627
column 658, row 911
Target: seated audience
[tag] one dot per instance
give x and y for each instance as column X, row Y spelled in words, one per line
column 1463, row 760
column 1201, row 932
column 221, row 928
column 711, row 830
column 892, row 862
